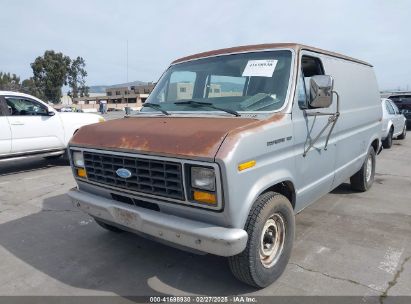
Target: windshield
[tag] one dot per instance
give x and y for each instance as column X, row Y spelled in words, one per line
column 241, row 82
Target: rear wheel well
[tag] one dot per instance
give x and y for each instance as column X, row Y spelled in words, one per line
column 285, row 188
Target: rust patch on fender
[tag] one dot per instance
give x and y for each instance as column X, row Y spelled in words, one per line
column 171, row 136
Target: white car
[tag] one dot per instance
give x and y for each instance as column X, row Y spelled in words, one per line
column 31, row 128
column 393, row 123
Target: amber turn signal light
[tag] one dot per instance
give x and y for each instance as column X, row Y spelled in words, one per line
column 204, row 197
column 81, row 172
column 246, row 165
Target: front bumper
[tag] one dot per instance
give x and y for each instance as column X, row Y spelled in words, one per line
column 181, row 231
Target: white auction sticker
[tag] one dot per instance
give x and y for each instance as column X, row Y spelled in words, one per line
column 262, row 68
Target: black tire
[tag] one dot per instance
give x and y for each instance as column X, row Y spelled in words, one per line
column 107, row 226
column 359, row 180
column 248, row 266
column 387, row 143
column 404, row 133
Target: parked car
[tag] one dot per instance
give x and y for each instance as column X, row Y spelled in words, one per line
column 31, row 128
column 69, row 109
column 403, row 102
column 393, row 123
column 228, row 147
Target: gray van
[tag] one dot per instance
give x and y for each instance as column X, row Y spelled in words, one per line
column 228, row 147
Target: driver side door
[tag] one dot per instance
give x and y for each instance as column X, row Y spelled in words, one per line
column 32, row 128
column 315, row 165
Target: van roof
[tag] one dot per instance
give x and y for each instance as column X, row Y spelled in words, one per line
column 261, row 47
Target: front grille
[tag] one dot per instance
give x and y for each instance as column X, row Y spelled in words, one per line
column 157, row 177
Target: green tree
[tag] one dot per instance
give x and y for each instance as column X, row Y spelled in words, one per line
column 50, row 74
column 29, row 86
column 76, row 78
column 9, row 82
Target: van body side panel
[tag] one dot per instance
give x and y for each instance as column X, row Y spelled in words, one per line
column 271, row 146
column 359, row 123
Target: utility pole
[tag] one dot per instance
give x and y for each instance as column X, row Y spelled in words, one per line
column 127, row 69
column 127, row 60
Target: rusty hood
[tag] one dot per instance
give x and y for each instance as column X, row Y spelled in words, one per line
column 169, row 136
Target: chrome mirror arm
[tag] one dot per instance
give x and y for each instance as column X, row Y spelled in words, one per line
column 332, row 120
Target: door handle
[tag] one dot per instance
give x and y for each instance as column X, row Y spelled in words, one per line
column 17, row 123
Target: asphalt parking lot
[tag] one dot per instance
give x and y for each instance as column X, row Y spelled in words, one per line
column 347, row 243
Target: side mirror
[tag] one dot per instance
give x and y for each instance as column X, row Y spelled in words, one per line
column 50, row 113
column 321, row 87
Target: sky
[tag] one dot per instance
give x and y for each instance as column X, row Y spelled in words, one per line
column 376, row 31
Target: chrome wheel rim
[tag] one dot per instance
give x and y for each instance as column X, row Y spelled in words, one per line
column 272, row 240
column 368, row 171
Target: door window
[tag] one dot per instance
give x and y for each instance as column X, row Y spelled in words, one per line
column 25, row 107
column 4, row 109
column 301, row 91
column 389, row 107
column 395, row 108
column 310, row 67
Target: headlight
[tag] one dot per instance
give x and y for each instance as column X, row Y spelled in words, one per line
column 203, row 178
column 78, row 159
column 101, row 119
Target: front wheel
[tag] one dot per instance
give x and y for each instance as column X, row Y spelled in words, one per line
column 270, row 227
column 364, row 178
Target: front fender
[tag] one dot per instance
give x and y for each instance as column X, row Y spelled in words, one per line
column 245, row 187
column 262, row 185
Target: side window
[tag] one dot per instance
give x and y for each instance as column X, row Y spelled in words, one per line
column 310, row 66
column 389, row 107
column 302, row 95
column 25, row 107
column 395, row 108
column 226, row 86
column 181, row 85
column 4, row 109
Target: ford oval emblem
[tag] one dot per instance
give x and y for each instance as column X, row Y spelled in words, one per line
column 123, row 173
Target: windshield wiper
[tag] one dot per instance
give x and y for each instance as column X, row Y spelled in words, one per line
column 155, row 107
column 206, row 104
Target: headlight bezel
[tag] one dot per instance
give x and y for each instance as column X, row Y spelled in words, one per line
column 217, row 205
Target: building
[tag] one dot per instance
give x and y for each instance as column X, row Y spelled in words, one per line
column 117, row 98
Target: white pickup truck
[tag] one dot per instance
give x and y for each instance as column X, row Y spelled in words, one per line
column 31, row 128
